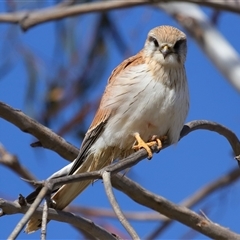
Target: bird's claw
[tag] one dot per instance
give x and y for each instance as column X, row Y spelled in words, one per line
column 141, row 144
column 146, row 145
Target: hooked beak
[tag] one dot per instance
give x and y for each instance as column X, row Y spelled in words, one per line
column 165, row 50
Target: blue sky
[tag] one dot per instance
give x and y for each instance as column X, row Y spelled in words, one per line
column 176, row 172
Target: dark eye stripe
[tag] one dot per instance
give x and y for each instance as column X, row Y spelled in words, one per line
column 154, row 40
column 179, row 43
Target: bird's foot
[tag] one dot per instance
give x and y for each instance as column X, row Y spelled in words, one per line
column 141, row 144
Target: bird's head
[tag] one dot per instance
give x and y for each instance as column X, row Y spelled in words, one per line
column 166, row 45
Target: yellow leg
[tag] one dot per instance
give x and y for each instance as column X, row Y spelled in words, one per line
column 141, row 144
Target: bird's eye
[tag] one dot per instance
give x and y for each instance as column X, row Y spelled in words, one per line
column 154, row 40
column 179, row 43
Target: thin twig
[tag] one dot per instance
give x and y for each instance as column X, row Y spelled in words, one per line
column 108, row 213
column 29, row 213
column 108, row 188
column 204, row 215
column 44, row 220
column 12, row 162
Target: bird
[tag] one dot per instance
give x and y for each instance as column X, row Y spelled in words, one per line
column 145, row 101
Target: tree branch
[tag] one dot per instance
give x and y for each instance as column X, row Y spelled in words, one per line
column 12, row 162
column 108, row 189
column 9, row 208
column 171, row 210
column 198, row 196
column 44, row 220
column 152, row 201
column 98, row 212
column 214, row 127
column 27, row 19
column 48, row 138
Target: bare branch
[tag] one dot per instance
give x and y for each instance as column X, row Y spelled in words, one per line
column 9, row 208
column 171, row 210
column 214, row 127
column 225, row 5
column 108, row 213
column 28, row 19
column 196, row 22
column 12, row 162
column 219, row 183
column 108, row 188
column 47, row 138
column 44, row 220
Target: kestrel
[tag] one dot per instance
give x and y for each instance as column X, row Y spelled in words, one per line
column 146, row 95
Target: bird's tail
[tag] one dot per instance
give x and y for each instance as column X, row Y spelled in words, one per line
column 68, row 192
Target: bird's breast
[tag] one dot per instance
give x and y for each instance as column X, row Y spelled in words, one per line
column 145, row 105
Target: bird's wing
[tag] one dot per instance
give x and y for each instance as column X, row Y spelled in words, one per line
column 132, row 61
column 103, row 113
column 91, row 136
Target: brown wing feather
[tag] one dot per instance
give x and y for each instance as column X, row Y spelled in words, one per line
column 91, row 136
column 132, row 61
